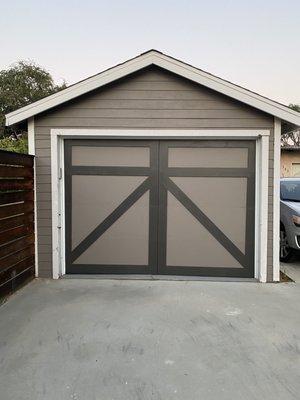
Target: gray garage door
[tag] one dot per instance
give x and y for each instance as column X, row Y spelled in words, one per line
column 160, row 207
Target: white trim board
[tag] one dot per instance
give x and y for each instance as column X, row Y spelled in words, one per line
column 58, row 206
column 276, row 200
column 153, row 133
column 261, row 207
column 31, row 150
column 261, row 200
column 30, row 136
column 154, row 57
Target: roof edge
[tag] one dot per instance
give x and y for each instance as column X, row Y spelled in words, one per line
column 164, row 61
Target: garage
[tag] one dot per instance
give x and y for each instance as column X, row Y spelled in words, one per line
column 160, row 207
column 156, row 168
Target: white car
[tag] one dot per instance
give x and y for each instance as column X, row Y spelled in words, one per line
column 289, row 217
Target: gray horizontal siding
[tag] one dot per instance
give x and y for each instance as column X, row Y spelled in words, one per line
column 122, row 114
column 162, row 104
column 149, row 99
column 170, row 123
column 153, row 95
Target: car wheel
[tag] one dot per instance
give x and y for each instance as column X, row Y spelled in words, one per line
column 286, row 252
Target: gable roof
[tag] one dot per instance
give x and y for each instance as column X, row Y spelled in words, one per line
column 154, row 57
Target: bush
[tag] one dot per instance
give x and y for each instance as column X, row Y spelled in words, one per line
column 19, row 145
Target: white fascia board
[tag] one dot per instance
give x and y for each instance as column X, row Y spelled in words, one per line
column 79, row 89
column 229, row 89
column 168, row 63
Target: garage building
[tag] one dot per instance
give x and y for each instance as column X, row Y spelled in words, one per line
column 156, row 167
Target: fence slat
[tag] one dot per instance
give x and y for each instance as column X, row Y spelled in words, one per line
column 13, row 222
column 14, row 258
column 16, row 281
column 16, row 245
column 16, row 184
column 14, row 197
column 24, row 264
column 15, row 233
column 8, row 171
column 9, row 158
column 15, row 209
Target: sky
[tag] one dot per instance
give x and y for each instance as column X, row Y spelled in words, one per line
column 251, row 43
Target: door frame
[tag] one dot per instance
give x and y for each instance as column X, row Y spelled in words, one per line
column 261, row 137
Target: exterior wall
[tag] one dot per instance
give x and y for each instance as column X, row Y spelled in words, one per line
column 152, row 98
column 288, row 158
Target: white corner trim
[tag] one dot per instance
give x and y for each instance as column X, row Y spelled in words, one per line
column 54, row 205
column 30, row 136
column 262, row 182
column 168, row 63
column 276, row 199
column 261, row 185
column 31, row 150
column 36, row 236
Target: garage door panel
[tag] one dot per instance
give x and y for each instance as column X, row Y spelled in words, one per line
column 223, row 200
column 125, row 242
column 169, row 185
column 190, row 244
column 94, row 198
column 110, row 221
column 208, row 157
column 212, row 226
column 114, row 156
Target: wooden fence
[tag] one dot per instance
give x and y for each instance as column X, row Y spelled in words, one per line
column 16, row 221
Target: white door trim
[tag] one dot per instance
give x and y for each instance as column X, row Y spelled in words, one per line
column 58, row 205
column 178, row 133
column 261, row 205
column 261, row 200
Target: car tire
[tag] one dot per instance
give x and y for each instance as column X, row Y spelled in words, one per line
column 286, row 252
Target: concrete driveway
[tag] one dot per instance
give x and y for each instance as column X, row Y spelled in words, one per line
column 111, row 340
column 292, row 269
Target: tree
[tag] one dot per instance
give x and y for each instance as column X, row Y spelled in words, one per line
column 292, row 137
column 21, row 84
column 295, row 107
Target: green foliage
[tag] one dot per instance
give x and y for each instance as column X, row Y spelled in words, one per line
column 291, row 137
column 20, row 85
column 295, row 107
column 19, row 145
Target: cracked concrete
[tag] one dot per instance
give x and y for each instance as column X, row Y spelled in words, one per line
column 112, row 340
